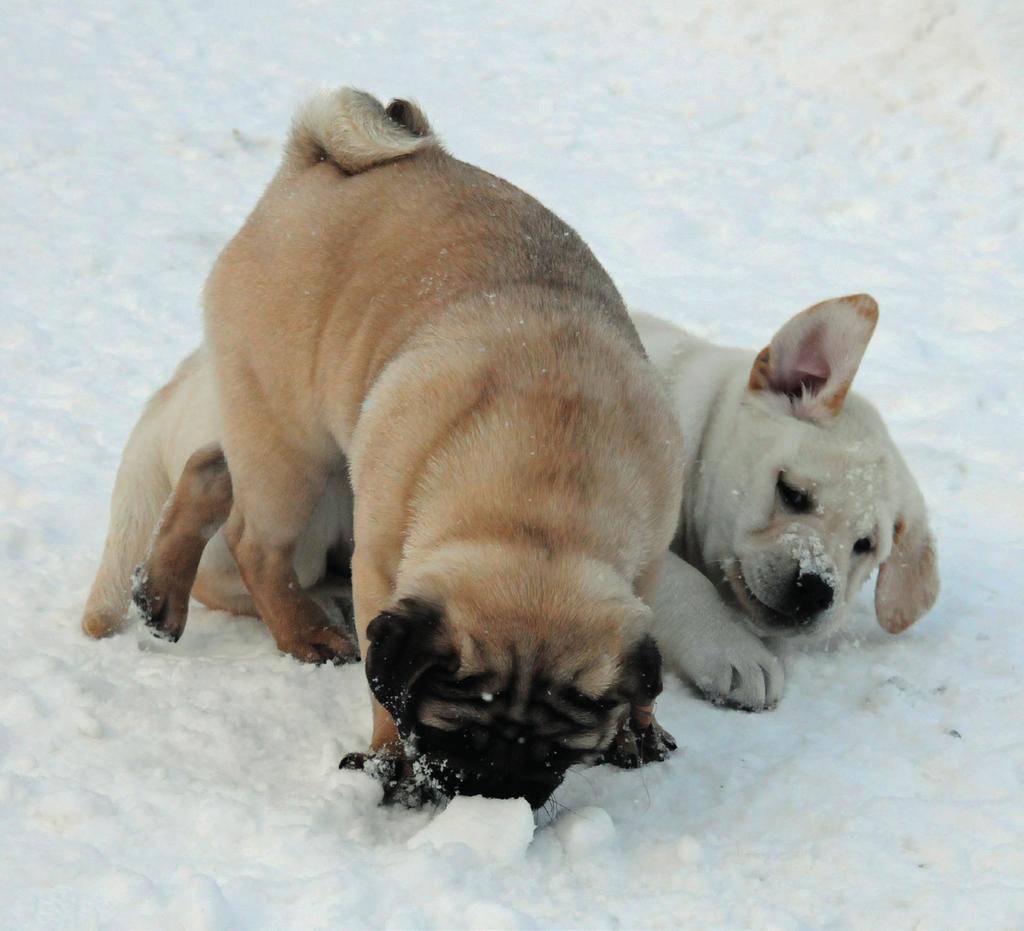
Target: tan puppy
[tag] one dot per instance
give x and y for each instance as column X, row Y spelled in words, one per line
column 515, row 465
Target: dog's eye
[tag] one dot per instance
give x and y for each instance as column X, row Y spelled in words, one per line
column 793, row 498
column 863, row 545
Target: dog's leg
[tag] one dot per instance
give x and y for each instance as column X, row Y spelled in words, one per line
column 641, row 739
column 372, row 590
column 702, row 639
column 387, row 760
column 299, row 624
column 276, row 486
column 197, row 508
column 140, row 490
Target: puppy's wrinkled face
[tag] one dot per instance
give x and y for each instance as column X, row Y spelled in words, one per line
column 513, row 729
column 812, row 515
column 502, row 708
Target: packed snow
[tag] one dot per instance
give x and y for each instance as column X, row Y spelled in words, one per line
column 730, row 162
column 493, row 828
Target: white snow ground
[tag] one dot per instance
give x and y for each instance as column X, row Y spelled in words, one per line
column 731, row 163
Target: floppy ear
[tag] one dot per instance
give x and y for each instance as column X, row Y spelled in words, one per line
column 814, row 357
column 908, row 580
column 404, row 643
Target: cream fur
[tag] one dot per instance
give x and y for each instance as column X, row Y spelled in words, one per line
column 737, row 543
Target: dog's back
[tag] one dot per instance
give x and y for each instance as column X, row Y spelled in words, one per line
column 369, row 228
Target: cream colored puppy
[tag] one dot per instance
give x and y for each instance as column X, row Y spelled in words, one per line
column 515, row 465
column 794, row 494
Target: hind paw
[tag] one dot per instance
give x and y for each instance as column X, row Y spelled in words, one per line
column 100, row 624
column 155, row 609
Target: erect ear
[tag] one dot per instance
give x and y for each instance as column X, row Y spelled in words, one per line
column 814, row 357
column 908, row 580
column 642, row 672
column 403, row 644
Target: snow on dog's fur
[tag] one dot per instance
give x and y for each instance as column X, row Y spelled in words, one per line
column 794, row 494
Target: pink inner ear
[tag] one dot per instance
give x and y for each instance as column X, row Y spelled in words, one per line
column 808, row 367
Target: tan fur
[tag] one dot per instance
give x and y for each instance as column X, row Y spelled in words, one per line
column 195, row 511
column 475, row 364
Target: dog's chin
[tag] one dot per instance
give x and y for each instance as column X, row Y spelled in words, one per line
column 762, row 619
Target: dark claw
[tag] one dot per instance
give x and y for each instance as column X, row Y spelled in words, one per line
column 158, row 625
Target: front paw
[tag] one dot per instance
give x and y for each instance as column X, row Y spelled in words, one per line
column 747, row 676
column 635, row 745
column 406, row 781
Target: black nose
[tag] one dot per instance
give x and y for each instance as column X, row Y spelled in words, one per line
column 809, row 595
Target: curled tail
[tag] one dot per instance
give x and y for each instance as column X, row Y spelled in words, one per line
column 354, row 131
